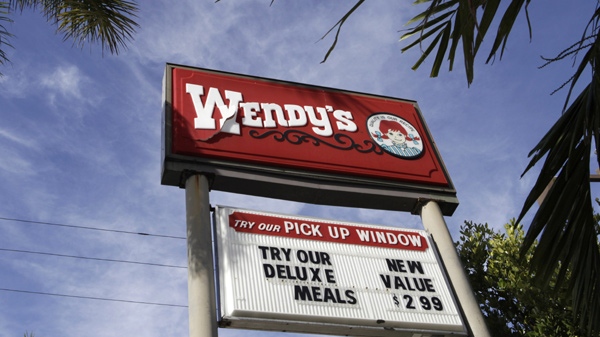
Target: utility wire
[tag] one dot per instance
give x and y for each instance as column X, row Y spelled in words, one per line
column 92, row 228
column 91, row 298
column 91, row 258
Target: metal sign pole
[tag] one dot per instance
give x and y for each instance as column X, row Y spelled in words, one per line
column 201, row 284
column 433, row 221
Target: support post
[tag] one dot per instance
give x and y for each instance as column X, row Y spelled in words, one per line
column 201, row 283
column 434, row 222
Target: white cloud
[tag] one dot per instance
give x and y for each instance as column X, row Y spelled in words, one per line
column 14, row 84
column 14, row 150
column 65, row 80
column 13, row 162
column 18, row 139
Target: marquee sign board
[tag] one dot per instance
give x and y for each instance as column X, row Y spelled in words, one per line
column 304, row 143
column 289, row 273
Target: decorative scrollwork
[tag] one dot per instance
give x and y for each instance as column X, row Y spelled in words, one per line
column 344, row 142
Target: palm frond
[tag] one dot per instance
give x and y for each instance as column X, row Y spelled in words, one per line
column 4, row 34
column 490, row 8
column 564, row 224
column 108, row 22
column 339, row 25
column 506, row 25
column 450, row 23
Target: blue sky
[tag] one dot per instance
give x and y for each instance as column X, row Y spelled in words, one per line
column 80, row 141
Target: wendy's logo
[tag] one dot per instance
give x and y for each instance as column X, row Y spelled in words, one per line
column 395, row 135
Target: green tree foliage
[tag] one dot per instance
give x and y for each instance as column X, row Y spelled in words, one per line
column 564, row 223
column 512, row 303
column 108, row 22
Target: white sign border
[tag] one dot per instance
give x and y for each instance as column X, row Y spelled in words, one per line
column 287, row 322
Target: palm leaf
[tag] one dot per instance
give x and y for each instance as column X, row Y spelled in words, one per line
column 466, row 22
column 4, row 34
column 437, row 63
column 506, row 25
column 489, row 13
column 450, row 23
column 436, row 7
column 339, row 25
column 564, row 222
column 108, row 22
column 419, row 29
column 423, row 36
column 427, row 52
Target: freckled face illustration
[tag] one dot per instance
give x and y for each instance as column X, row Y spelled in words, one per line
column 396, row 136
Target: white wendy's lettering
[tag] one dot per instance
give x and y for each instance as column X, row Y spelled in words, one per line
column 324, row 120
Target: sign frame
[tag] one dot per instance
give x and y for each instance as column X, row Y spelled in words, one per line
column 289, row 183
column 285, row 321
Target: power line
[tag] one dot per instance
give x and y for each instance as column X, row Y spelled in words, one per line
column 91, row 298
column 92, row 228
column 91, row 258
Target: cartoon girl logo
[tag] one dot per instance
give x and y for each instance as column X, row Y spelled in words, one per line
column 395, row 135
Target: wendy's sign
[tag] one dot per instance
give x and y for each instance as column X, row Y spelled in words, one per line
column 297, row 142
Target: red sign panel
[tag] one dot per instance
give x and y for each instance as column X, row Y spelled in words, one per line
column 286, row 125
column 323, row 231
